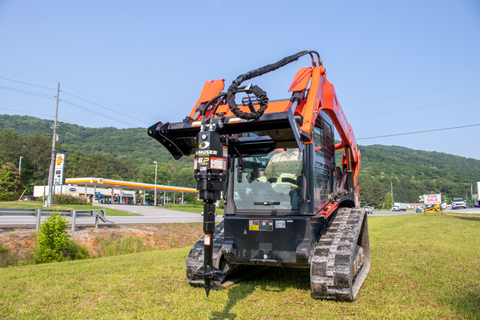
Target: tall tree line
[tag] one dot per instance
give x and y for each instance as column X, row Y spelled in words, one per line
column 128, row 154
column 36, row 156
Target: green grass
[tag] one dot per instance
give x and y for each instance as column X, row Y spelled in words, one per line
column 189, row 208
column 38, row 205
column 423, row 267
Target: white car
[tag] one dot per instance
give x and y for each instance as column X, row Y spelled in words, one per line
column 368, row 209
column 459, row 202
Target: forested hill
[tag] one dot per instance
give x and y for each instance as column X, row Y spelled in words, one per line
column 412, row 172
column 133, row 143
column 412, row 160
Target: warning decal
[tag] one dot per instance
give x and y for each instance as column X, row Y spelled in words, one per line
column 218, row 163
column 206, row 240
column 260, row 225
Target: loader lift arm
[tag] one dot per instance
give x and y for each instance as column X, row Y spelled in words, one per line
column 311, row 93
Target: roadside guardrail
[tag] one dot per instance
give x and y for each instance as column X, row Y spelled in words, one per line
column 98, row 214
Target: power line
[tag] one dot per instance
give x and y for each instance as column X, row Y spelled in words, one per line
column 67, row 87
column 414, row 108
column 26, row 74
column 96, row 112
column 30, row 84
column 105, row 107
column 31, row 93
column 27, row 112
column 412, row 94
column 108, row 101
column 39, row 95
column 416, row 132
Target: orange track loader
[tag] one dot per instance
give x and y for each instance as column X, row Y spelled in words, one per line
column 287, row 204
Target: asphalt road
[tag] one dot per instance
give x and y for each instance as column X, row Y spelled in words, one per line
column 448, row 209
column 148, row 215
column 475, row 210
column 389, row 213
column 149, row 211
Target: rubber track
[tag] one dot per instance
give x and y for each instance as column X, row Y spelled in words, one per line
column 330, row 270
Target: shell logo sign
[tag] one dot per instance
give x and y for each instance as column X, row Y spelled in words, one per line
column 59, row 163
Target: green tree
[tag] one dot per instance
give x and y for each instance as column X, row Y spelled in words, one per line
column 147, row 175
column 72, row 163
column 39, row 155
column 10, row 182
column 388, row 201
column 185, row 178
column 11, row 147
column 372, row 193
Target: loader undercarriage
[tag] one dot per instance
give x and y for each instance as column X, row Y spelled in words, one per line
column 339, row 263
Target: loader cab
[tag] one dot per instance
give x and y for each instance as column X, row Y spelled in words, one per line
column 270, row 182
column 285, row 180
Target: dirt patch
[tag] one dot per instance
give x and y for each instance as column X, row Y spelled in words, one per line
column 156, row 236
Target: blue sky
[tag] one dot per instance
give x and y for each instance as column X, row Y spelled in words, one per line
column 398, row 67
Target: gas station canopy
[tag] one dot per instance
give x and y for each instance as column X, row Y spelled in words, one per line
column 108, row 183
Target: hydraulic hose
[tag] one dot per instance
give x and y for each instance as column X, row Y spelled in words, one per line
column 259, row 93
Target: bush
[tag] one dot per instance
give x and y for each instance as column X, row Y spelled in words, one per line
column 68, row 199
column 54, row 243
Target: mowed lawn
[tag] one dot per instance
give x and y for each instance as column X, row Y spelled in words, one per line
column 58, row 207
column 424, row 267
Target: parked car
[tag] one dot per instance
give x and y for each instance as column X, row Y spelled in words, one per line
column 459, row 202
column 368, row 209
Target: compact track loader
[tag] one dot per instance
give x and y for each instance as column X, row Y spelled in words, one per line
column 287, row 204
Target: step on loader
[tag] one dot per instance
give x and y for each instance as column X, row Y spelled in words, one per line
column 287, row 203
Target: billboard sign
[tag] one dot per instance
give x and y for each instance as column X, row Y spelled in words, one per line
column 59, row 164
column 433, row 198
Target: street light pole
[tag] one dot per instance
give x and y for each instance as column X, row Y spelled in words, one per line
column 20, row 166
column 155, row 202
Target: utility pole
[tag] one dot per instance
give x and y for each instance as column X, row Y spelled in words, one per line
column 51, row 173
column 391, row 191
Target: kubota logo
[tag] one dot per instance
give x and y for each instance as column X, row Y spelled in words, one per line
column 59, row 160
column 204, row 145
